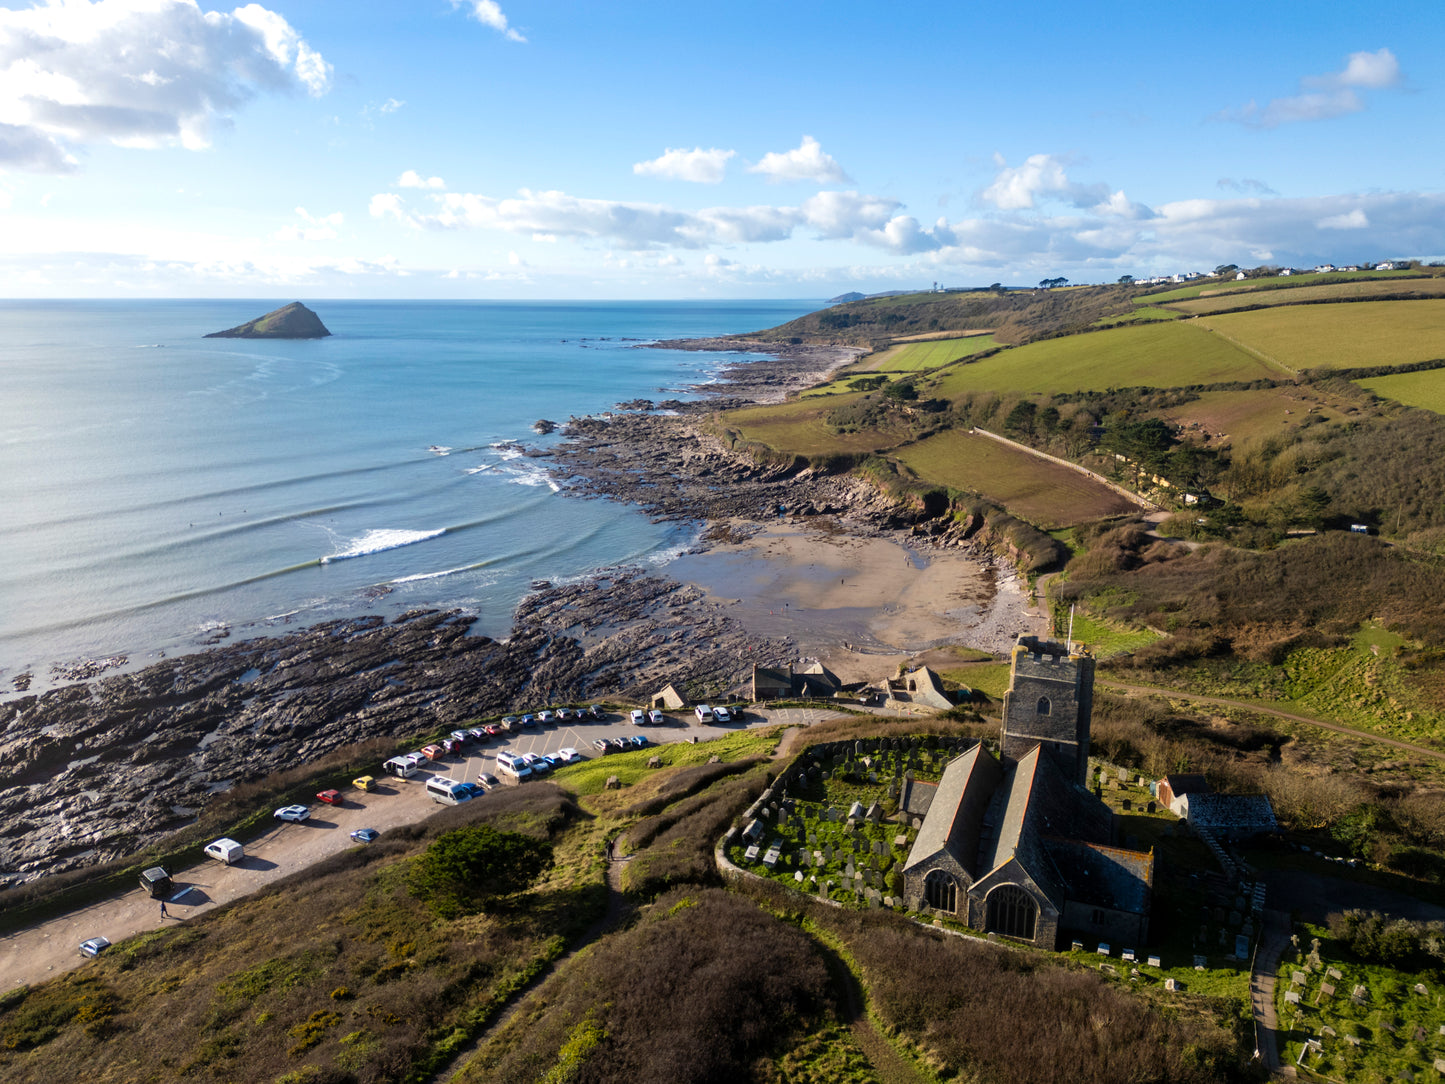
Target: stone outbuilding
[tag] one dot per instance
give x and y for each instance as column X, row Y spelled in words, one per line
column 1172, row 788
column 668, row 699
column 1017, row 845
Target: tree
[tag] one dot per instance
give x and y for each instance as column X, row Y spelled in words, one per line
column 465, row 870
column 901, row 390
column 1226, row 269
column 1126, row 280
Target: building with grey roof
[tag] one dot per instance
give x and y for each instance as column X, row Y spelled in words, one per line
column 1016, row 845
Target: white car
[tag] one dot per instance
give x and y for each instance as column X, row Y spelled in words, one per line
column 656, row 718
column 95, row 946
column 722, row 715
column 292, row 813
column 569, row 755
column 639, row 717
column 704, row 713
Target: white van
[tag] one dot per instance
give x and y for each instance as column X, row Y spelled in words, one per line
column 401, row 767
column 703, row 713
column 447, row 791
column 226, row 850
column 513, row 768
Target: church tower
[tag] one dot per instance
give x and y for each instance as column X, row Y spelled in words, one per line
column 1049, row 702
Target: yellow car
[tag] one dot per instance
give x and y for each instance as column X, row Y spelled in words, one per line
column 364, row 782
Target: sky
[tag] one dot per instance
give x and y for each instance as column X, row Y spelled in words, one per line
column 521, row 149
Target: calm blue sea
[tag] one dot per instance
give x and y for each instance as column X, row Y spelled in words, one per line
column 156, row 486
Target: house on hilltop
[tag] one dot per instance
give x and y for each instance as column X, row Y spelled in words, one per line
column 1016, row 844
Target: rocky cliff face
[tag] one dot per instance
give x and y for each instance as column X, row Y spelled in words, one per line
column 293, row 321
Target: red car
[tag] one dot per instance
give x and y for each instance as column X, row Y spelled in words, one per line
column 330, row 797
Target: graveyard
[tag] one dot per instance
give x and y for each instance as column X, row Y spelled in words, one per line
column 1351, row 1017
column 834, row 831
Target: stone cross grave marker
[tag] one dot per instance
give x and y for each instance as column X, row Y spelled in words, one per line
column 1334, row 973
column 1292, row 996
column 1297, row 978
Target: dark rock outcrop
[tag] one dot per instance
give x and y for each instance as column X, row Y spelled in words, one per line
column 293, row 321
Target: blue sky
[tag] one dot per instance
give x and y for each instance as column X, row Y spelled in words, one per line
column 519, row 149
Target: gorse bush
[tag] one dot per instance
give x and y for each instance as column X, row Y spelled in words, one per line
column 465, row 869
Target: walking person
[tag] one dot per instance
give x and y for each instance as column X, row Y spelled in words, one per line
column 164, row 912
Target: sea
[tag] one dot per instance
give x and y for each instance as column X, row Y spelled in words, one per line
column 160, row 491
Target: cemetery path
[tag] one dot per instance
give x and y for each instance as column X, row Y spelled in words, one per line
column 618, row 910
column 1338, row 728
column 890, row 1066
column 1261, row 992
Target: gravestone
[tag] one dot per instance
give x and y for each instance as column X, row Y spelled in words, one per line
column 1440, row 1066
column 900, row 841
column 1171, row 985
column 856, row 811
column 1353, row 1040
column 848, row 869
column 1241, row 945
column 1334, row 973
column 1328, row 1031
column 875, row 812
column 1077, row 946
column 1359, row 995
column 1123, row 775
column 1298, row 978
column 878, row 847
column 873, row 777
column 751, row 854
column 1326, row 990
column 818, row 860
column 798, row 876
column 1153, row 961
column 1420, row 989
column 1127, row 954
column 1149, row 808
column 1200, row 963
column 1110, row 968
column 1292, row 996
column 1127, row 805
column 1103, row 949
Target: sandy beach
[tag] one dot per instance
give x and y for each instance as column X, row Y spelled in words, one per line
column 861, row 605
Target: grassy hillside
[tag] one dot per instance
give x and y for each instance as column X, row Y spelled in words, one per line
column 1339, row 336
column 1046, row 494
column 922, row 356
column 1155, row 355
column 1212, row 286
column 1344, row 291
column 1423, row 389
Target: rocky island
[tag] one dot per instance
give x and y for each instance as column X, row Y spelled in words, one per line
column 293, row 321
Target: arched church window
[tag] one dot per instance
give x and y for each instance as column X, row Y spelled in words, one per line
column 1044, row 705
column 940, row 891
column 1012, row 912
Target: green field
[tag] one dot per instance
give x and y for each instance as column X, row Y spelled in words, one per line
column 934, row 354
column 1339, row 336
column 1142, row 315
column 1044, row 493
column 1157, row 355
column 1425, row 389
column 1201, row 306
column 590, row 776
column 800, row 427
column 1285, row 282
column 1233, row 416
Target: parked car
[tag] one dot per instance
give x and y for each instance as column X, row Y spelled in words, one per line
column 461, row 737
column 365, row 835
column 546, row 718
column 417, row 760
column 364, row 783
column 656, row 718
column 618, row 743
column 452, row 746
column 568, row 755
column 639, row 740
column 703, row 713
column 494, row 729
column 225, row 850
column 293, row 813
column 157, row 882
column 603, row 746
column 529, row 722
column 594, row 712
column 511, row 767
column 488, row 781
column 722, row 715
column 330, row 797
column 95, row 946
column 480, row 733
column 539, row 764
column 639, row 717
column 433, row 752
column 510, row 723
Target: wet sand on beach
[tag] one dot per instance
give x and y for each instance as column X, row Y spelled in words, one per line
column 861, row 605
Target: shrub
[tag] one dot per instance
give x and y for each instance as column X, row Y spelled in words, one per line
column 463, row 870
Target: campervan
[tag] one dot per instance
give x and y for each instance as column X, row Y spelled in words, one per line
column 447, row 791
column 514, row 769
column 401, row 767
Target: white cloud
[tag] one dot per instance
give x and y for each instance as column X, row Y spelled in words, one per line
column 1350, row 220
column 515, row 260
column 697, row 165
column 806, row 162
column 391, row 105
column 489, row 13
column 322, row 228
column 389, row 204
column 137, row 73
column 1330, row 95
column 412, row 179
column 1017, row 187
column 632, row 225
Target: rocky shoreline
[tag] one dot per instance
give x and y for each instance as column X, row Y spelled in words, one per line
column 99, row 769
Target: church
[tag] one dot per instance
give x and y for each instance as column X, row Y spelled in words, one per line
column 1017, row 845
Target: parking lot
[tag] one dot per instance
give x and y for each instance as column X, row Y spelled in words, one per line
column 52, row 947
